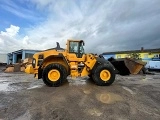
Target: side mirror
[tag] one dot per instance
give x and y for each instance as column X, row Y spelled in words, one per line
column 82, row 42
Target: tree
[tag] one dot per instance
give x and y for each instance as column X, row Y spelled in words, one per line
column 136, row 56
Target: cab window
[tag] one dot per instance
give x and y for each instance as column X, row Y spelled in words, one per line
column 77, row 48
column 73, row 47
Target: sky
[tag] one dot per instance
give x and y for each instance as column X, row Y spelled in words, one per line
column 104, row 25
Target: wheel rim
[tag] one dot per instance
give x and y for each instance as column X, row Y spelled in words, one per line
column 54, row 75
column 105, row 75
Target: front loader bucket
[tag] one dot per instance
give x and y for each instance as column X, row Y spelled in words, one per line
column 127, row 66
column 134, row 66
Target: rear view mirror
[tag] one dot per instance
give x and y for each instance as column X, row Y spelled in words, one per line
column 82, row 42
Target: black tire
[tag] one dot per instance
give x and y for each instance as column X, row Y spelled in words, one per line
column 62, row 78
column 96, row 75
column 90, row 76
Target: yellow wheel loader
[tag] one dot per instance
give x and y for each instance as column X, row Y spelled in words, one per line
column 55, row 64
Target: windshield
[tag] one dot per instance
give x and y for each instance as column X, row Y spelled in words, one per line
column 73, row 47
column 77, row 48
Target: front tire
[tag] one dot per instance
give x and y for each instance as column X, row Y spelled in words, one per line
column 103, row 75
column 90, row 76
column 54, row 74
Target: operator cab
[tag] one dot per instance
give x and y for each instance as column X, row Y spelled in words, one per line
column 77, row 48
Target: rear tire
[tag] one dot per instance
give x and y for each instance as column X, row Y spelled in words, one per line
column 98, row 78
column 60, row 73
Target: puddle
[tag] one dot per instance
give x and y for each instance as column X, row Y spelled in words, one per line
column 76, row 82
column 147, row 78
column 108, row 98
column 95, row 112
column 86, row 90
column 33, row 87
column 4, row 78
column 129, row 90
column 4, row 86
column 8, row 87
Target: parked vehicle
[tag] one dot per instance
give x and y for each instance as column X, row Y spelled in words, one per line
column 153, row 65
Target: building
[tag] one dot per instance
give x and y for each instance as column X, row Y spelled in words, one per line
column 151, row 56
column 144, row 54
column 17, row 56
column 3, row 58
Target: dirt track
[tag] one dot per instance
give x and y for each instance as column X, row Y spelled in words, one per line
column 130, row 97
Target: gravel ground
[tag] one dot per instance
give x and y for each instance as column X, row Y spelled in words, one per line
column 134, row 97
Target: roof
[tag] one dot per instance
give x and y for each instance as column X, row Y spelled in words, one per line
column 24, row 50
column 157, row 50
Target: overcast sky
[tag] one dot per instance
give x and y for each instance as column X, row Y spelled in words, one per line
column 104, row 25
